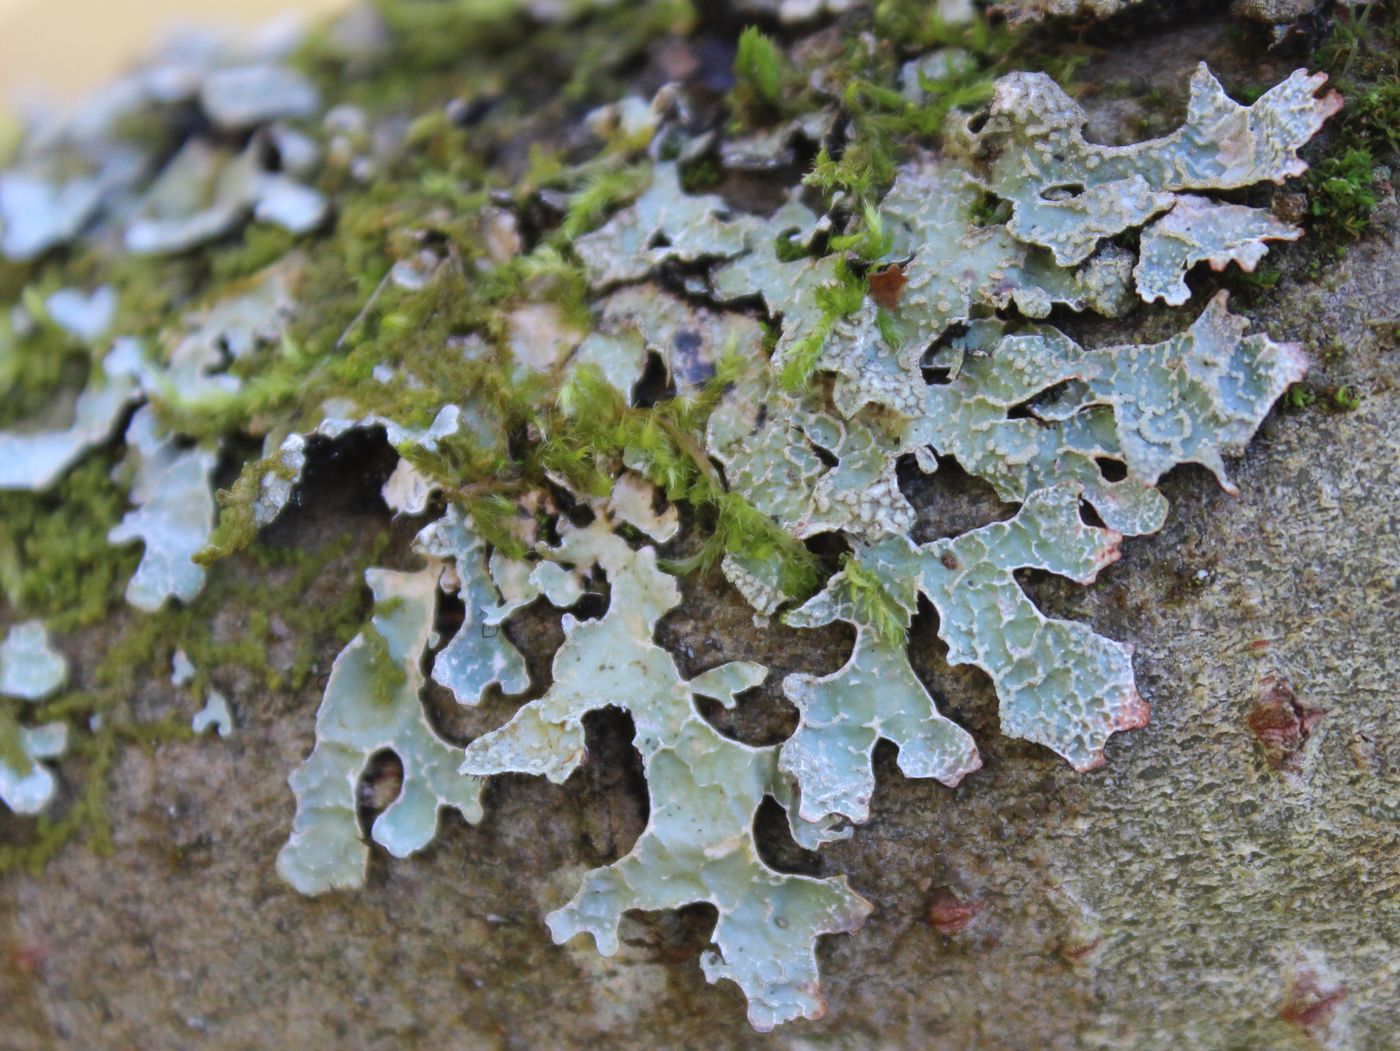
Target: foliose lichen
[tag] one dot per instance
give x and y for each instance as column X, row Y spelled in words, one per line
column 29, row 671
column 372, row 703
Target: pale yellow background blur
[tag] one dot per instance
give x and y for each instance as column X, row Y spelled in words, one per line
column 59, row 48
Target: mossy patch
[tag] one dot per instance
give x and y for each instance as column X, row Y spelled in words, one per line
column 55, row 559
column 1362, row 56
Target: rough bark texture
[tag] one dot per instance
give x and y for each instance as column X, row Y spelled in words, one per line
column 1229, row 880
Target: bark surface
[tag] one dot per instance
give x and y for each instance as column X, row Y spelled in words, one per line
column 1231, row 878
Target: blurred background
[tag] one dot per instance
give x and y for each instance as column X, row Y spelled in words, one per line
column 56, row 49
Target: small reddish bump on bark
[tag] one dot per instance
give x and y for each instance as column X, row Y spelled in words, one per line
column 1281, row 723
column 1076, row 951
column 1259, row 645
column 29, row 958
column 949, row 916
column 887, row 285
column 1308, row 1005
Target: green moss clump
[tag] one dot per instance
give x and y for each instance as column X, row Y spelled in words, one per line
column 37, row 365
column 837, row 300
column 11, row 754
column 55, row 561
column 1362, row 56
column 1343, row 191
column 387, row 676
column 761, row 74
column 873, row 604
column 883, row 120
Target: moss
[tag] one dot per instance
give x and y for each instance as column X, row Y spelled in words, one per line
column 1361, row 54
column 590, row 431
column 387, row 676
column 55, row 561
column 435, row 50
column 139, row 650
column 258, row 603
column 1344, row 399
column 11, row 754
column 883, row 121
column 873, row 604
column 1298, row 396
column 1343, row 191
column 837, row 300
column 237, row 528
column 1340, row 399
column 601, row 192
column 260, row 246
column 37, row 366
column 762, row 77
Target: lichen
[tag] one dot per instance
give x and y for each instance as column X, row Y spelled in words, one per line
column 174, row 518
column 629, row 245
column 79, row 171
column 1059, row 683
column 1200, row 230
column 372, row 704
column 27, row 786
column 36, row 460
column 704, row 788
column 479, row 655
column 29, row 671
column 1068, row 194
column 29, row 668
column 215, row 713
column 874, row 695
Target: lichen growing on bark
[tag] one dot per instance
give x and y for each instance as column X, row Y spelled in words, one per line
column 1068, row 194
column 705, row 788
column 372, row 703
column 598, row 375
column 29, row 671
